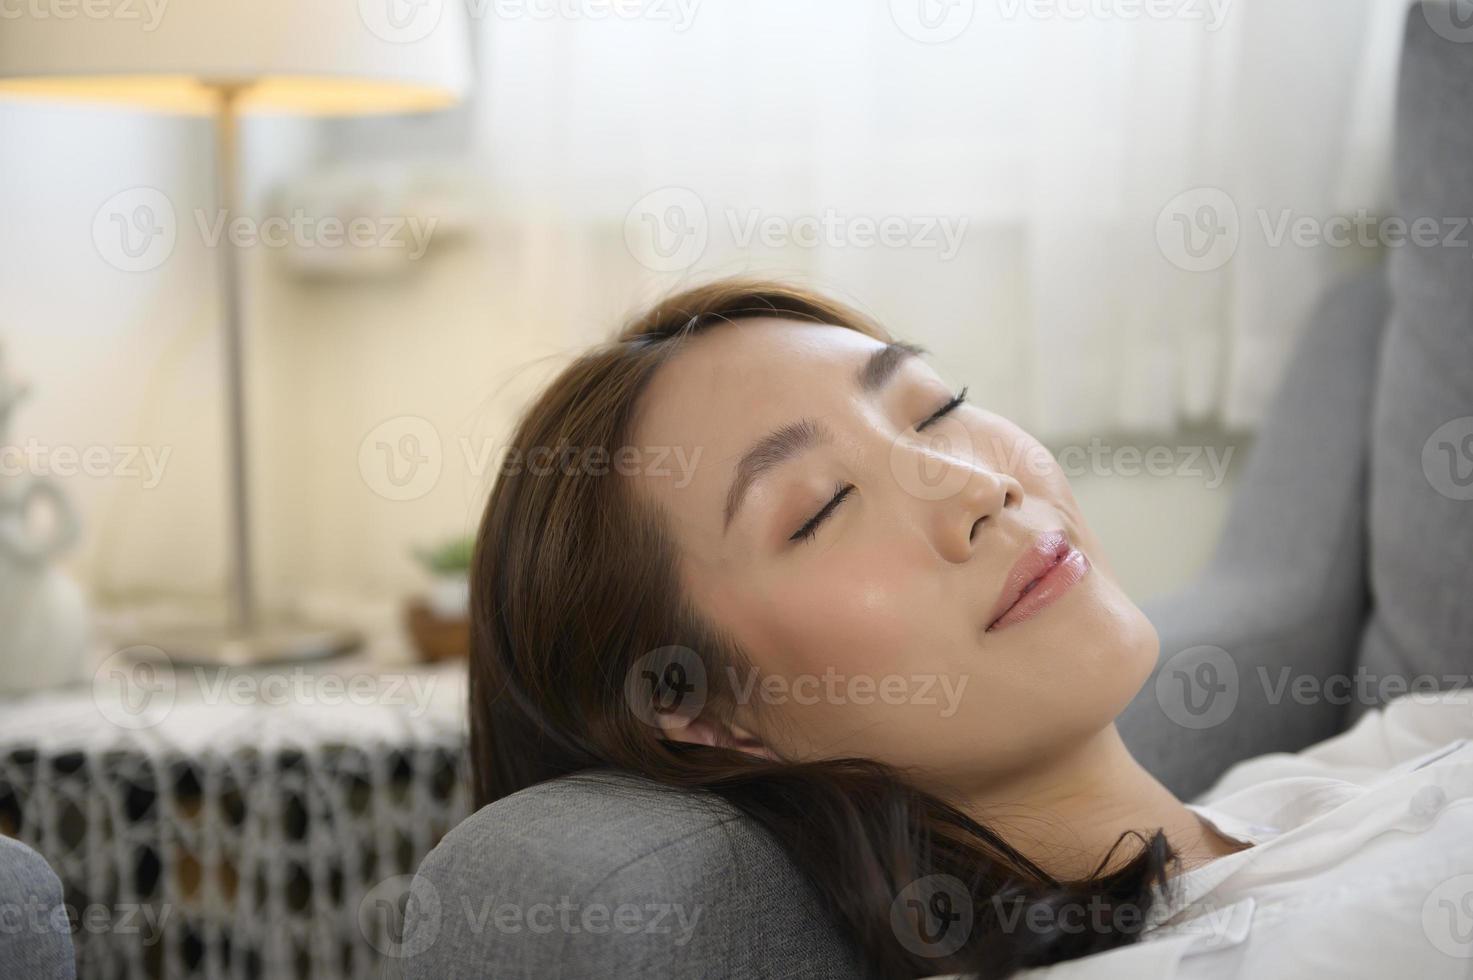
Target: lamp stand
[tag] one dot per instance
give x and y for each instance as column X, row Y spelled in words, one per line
column 245, row 638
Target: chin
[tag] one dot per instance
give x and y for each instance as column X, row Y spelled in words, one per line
column 1139, row 649
column 1149, row 646
column 1126, row 649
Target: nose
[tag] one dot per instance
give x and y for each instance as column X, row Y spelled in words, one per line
column 962, row 521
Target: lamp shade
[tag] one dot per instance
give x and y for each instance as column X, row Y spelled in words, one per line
column 336, row 57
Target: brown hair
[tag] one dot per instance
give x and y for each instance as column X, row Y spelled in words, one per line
column 575, row 580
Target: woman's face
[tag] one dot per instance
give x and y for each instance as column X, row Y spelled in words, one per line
column 861, row 547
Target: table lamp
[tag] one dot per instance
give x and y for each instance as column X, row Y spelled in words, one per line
column 224, row 58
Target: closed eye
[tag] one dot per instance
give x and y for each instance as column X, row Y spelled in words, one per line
column 956, row 400
column 810, row 526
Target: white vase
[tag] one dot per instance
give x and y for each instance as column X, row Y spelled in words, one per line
column 44, row 630
column 45, row 627
column 449, row 596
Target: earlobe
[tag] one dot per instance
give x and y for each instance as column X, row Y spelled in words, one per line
column 748, row 742
column 702, row 731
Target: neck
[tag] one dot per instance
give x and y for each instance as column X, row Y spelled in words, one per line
column 1066, row 814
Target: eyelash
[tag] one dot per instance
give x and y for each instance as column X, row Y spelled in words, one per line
column 810, row 527
column 956, row 400
column 809, row 530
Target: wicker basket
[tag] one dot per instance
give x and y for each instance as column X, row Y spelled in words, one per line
column 435, row 638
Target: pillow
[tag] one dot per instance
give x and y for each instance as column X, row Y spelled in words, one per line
column 1420, row 506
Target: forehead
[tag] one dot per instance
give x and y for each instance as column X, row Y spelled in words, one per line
column 734, row 383
column 732, row 374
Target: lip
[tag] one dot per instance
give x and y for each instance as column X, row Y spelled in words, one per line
column 1046, row 571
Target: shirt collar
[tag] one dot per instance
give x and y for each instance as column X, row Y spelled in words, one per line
column 1186, row 890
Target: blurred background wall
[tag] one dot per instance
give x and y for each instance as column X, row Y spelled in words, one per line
column 1039, row 170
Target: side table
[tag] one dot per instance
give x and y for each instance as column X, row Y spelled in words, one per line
column 210, row 822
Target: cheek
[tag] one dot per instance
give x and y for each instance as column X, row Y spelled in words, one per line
column 853, row 616
column 849, row 659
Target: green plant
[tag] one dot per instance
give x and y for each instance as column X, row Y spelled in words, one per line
column 450, row 557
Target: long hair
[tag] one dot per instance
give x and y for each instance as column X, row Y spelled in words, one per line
column 575, row 580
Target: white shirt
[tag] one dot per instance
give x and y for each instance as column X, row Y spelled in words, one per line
column 1362, row 864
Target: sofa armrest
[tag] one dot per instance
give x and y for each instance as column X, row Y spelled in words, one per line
column 34, row 943
column 606, row 875
column 1283, row 600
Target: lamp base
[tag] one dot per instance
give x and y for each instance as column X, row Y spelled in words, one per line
column 268, row 643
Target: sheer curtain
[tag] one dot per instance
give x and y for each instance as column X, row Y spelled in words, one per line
column 1073, row 203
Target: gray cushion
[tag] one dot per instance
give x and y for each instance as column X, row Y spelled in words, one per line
column 35, row 938
column 673, row 885
column 1420, row 511
column 1286, row 588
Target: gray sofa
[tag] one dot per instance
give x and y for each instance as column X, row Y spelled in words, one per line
column 35, row 938
column 1342, row 551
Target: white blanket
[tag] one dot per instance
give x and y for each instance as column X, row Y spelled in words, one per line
column 1362, row 864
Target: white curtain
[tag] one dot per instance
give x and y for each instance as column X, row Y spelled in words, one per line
column 1038, row 166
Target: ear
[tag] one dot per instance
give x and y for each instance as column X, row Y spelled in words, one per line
column 677, row 727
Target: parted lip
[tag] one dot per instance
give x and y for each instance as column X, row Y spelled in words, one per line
column 1045, row 553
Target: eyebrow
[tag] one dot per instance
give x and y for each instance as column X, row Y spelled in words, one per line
column 782, row 444
column 882, row 364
